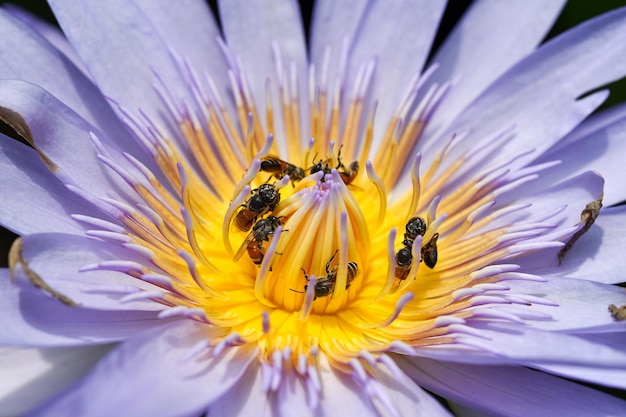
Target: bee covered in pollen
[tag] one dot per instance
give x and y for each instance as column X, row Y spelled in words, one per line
column 261, row 232
column 262, row 200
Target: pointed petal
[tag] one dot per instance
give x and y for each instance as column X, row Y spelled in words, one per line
column 58, row 260
column 532, row 346
column 25, row 55
column 38, row 201
column 122, row 51
column 534, row 97
column 489, row 39
column 581, row 303
column 251, row 29
column 147, row 376
column 29, row 376
column 63, row 138
column 596, row 256
column 510, row 391
column 398, row 35
column 30, row 317
column 600, row 147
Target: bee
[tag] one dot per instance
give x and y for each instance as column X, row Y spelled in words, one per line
column 325, row 286
column 278, row 167
column 347, row 174
column 261, row 232
column 415, row 227
column 263, row 200
column 429, row 251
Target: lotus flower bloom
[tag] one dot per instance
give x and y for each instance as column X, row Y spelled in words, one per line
column 235, row 225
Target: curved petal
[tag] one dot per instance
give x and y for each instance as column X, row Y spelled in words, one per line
column 398, row 35
column 525, row 345
column 246, row 398
column 252, row 29
column 62, row 136
column 49, row 32
column 539, row 95
column 27, row 56
column 148, row 376
column 491, row 37
column 30, row 317
column 596, row 256
column 510, row 391
column 124, row 54
column 30, row 376
column 581, row 303
column 38, row 201
column 59, row 259
column 601, row 148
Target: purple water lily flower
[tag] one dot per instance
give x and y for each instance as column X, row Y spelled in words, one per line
column 235, row 225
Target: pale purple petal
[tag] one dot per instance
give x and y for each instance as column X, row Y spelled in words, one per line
column 62, row 135
column 601, row 148
column 255, row 32
column 596, row 256
column 150, row 376
column 510, row 391
column 533, row 96
column 398, row 35
column 246, row 398
column 123, row 52
column 39, row 202
column 58, row 259
column 489, row 39
column 581, row 303
column 25, row 55
column 532, row 346
column 31, row 317
column 30, row 376
column 50, row 32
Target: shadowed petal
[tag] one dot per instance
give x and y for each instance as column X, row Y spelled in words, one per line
column 596, row 256
column 148, row 376
column 581, row 303
column 58, row 260
column 29, row 376
column 30, row 317
column 510, row 391
column 38, row 202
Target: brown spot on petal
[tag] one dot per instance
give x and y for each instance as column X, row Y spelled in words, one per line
column 587, row 217
column 16, row 259
column 19, row 125
column 618, row 313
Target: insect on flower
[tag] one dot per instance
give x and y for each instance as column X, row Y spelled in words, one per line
column 274, row 165
column 262, row 200
column 261, row 232
column 325, row 286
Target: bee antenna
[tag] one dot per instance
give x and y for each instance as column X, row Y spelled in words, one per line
column 300, row 292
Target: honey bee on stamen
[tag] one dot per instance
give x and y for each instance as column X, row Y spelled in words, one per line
column 429, row 251
column 262, row 200
column 415, row 227
column 347, row 174
column 325, row 286
column 279, row 168
column 261, row 232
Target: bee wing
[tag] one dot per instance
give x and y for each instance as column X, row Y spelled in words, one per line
column 242, row 249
